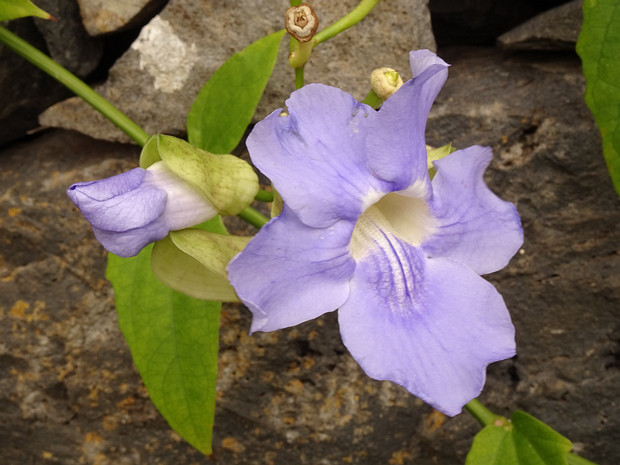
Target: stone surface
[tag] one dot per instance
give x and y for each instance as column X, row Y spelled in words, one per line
column 556, row 29
column 26, row 91
column 109, row 16
column 67, row 41
column 157, row 80
column 480, row 22
column 69, row 393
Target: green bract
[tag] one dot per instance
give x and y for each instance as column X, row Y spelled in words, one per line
column 227, row 182
column 194, row 261
column 436, row 154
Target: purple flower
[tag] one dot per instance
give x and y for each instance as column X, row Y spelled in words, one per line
column 133, row 209
column 364, row 230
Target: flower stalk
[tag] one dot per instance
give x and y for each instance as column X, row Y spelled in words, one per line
column 264, row 196
column 373, row 100
column 299, row 77
column 253, row 217
column 351, row 19
column 484, row 416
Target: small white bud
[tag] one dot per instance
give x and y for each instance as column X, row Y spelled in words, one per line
column 384, row 82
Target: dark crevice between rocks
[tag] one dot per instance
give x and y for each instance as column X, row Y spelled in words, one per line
column 481, row 22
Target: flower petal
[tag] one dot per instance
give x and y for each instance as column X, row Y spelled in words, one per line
column 104, row 189
column 129, row 243
column 315, row 155
column 396, row 147
column 290, row 273
column 431, row 325
column 186, row 206
column 475, row 227
column 119, row 203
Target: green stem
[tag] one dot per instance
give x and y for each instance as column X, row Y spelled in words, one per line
column 253, row 217
column 484, row 416
column 373, row 100
column 264, row 196
column 75, row 84
column 299, row 77
column 354, row 17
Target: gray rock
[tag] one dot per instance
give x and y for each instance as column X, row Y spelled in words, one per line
column 156, row 81
column 108, row 16
column 67, row 41
column 556, row 29
column 478, row 22
column 25, row 90
column 69, row 393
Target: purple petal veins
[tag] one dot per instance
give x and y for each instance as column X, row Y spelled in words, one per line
column 365, row 231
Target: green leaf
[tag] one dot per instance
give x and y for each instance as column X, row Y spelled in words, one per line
column 12, row 9
column 174, row 343
column 599, row 49
column 522, row 441
column 225, row 105
column 494, row 445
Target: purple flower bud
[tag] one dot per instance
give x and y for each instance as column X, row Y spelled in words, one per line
column 133, row 209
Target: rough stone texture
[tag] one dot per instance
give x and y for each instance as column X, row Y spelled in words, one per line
column 108, row 16
column 480, row 22
column 69, row 394
column 25, row 91
column 156, row 81
column 556, row 29
column 67, row 41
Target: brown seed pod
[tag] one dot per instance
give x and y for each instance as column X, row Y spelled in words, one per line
column 302, row 22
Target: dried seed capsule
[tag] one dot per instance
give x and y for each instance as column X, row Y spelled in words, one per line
column 301, row 22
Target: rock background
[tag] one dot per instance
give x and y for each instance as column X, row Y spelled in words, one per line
column 69, row 393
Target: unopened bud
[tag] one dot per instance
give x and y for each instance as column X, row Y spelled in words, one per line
column 384, row 82
column 302, row 22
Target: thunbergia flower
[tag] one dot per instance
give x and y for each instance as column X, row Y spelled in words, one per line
column 364, row 230
column 132, row 209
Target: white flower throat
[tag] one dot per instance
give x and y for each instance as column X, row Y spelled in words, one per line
column 408, row 218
